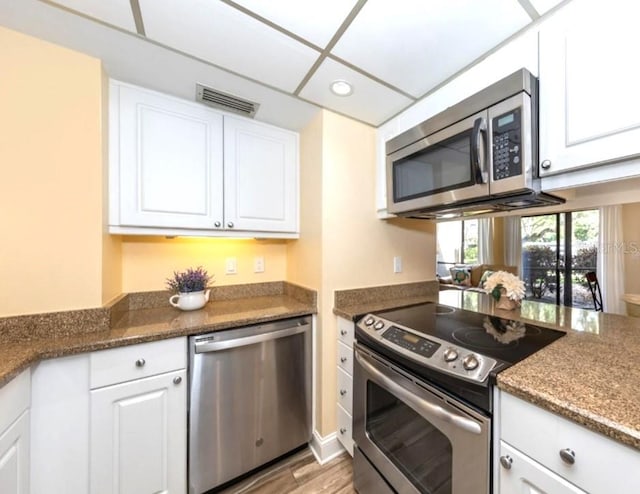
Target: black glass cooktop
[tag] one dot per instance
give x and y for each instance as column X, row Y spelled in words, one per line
column 503, row 339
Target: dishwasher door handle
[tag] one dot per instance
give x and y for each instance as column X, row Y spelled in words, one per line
column 214, row 346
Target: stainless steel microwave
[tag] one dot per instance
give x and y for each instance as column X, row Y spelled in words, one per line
column 477, row 156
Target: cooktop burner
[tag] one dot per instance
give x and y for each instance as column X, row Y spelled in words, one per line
column 441, row 310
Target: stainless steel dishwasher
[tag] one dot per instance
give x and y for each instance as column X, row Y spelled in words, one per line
column 249, row 399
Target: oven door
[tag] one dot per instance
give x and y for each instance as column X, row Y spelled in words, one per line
column 442, row 168
column 418, row 438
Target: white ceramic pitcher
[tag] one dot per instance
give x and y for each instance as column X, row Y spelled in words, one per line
column 190, row 300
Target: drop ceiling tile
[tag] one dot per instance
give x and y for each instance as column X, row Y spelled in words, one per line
column 222, row 35
column 416, row 44
column 370, row 102
column 316, row 22
column 544, row 6
column 115, row 12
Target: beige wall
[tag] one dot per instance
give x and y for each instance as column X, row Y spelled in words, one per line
column 355, row 247
column 148, row 261
column 51, row 192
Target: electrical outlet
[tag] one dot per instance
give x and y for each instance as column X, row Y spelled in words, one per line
column 397, row 264
column 231, row 265
column 258, row 264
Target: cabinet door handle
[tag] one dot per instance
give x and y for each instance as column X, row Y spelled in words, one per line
column 343, row 332
column 568, row 456
column 230, row 224
column 177, row 380
column 343, row 359
column 217, row 224
column 342, row 430
column 343, row 392
column 546, row 164
column 506, row 462
column 140, row 362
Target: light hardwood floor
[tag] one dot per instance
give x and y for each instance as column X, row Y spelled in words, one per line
column 300, row 474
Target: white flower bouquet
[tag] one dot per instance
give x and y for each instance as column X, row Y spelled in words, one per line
column 503, row 283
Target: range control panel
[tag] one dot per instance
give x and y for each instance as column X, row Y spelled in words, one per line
column 410, row 341
column 429, row 351
column 507, row 144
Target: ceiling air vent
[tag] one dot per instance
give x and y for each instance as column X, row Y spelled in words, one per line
column 225, row 101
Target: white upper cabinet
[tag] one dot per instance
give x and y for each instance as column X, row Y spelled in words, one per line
column 589, row 106
column 170, row 156
column 179, row 168
column 260, row 177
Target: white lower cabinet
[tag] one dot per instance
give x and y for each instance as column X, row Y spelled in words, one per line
column 139, row 436
column 345, row 383
column 551, row 454
column 112, row 421
column 14, row 435
column 521, row 475
column 14, row 457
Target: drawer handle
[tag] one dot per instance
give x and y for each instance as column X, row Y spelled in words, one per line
column 342, row 430
column 506, row 462
column 343, row 359
column 568, row 456
column 140, row 362
column 343, row 332
column 177, row 380
column 343, row 392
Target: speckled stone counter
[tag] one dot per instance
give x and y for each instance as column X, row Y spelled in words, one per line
column 24, row 340
column 591, row 376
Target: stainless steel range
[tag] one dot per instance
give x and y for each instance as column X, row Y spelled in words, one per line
column 423, row 379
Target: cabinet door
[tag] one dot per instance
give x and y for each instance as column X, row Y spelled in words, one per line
column 589, row 107
column 261, row 177
column 14, row 457
column 139, row 436
column 526, row 476
column 169, row 159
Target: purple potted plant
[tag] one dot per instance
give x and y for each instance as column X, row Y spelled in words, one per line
column 190, row 288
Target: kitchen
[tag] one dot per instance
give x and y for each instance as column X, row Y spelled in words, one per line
column 338, row 157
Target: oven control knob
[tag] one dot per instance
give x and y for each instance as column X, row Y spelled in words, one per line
column 470, row 362
column 369, row 321
column 450, row 354
column 378, row 325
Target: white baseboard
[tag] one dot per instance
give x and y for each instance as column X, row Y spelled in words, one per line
column 325, row 448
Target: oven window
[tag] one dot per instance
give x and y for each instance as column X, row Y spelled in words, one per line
column 441, row 167
column 419, row 450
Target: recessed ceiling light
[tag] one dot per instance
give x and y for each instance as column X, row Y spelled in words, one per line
column 341, row 88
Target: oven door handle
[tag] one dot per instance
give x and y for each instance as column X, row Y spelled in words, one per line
column 478, row 154
column 419, row 403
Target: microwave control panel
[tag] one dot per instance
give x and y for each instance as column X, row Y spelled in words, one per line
column 507, row 144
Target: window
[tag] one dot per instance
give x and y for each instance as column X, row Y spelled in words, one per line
column 557, row 251
column 457, row 243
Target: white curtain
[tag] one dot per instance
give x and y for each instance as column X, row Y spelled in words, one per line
column 485, row 240
column 513, row 242
column 610, row 269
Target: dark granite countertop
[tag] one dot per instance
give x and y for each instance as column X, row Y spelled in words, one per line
column 590, row 376
column 139, row 318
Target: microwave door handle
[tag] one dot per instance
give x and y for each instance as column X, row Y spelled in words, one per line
column 478, row 150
